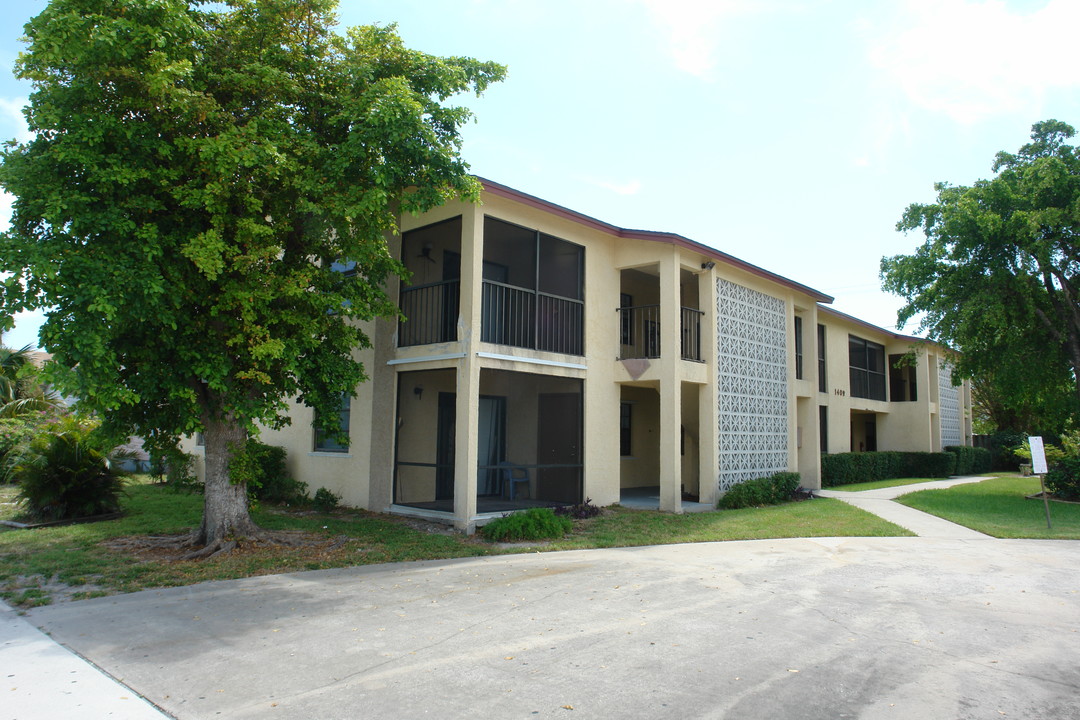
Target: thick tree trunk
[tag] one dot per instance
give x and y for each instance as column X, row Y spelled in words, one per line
column 225, row 508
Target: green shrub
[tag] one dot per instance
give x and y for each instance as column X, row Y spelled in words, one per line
column 857, row 467
column 531, row 524
column 930, row 464
column 771, row 490
column 263, row 468
column 62, row 474
column 13, row 433
column 175, row 469
column 970, row 460
column 1002, row 444
column 325, row 500
column 1053, row 454
column 1063, row 479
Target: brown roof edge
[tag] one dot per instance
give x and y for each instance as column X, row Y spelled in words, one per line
column 666, row 237
column 892, row 333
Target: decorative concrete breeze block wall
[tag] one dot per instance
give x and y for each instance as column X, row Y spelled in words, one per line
column 752, row 384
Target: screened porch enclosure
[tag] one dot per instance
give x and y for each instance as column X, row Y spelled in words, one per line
column 430, row 300
column 533, row 289
column 528, row 441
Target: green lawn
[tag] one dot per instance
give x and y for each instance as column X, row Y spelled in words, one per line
column 998, row 507
column 875, row 484
column 42, row 565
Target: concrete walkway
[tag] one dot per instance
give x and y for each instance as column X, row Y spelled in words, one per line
column 814, row 629
column 45, row 681
column 880, row 503
column 952, row 623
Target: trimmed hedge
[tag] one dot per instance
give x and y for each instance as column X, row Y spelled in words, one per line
column 970, row 460
column 857, row 467
column 773, row 490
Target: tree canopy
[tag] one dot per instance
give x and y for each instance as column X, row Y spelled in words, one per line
column 195, row 171
column 997, row 277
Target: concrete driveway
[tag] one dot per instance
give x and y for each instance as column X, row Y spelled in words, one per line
column 895, row 628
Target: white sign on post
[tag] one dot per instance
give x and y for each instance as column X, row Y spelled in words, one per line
column 1038, row 457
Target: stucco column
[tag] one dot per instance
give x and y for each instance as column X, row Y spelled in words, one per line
column 467, row 414
column 708, row 428
column 670, row 386
column 383, row 388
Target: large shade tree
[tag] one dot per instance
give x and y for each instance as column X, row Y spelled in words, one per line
column 197, row 173
column 998, row 276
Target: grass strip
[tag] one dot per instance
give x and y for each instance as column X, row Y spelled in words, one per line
column 75, row 561
column 877, row 484
column 998, row 507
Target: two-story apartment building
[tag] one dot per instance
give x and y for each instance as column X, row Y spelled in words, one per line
column 548, row 357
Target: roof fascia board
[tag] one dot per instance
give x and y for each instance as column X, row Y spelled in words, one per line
column 891, row 333
column 509, row 193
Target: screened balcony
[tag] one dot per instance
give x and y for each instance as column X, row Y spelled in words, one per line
column 430, row 300
column 533, row 290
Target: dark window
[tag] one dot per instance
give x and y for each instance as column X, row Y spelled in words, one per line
column 798, row 348
column 822, row 383
column 823, row 427
column 200, row 440
column 867, row 363
column 625, row 446
column 327, row 442
column 902, row 379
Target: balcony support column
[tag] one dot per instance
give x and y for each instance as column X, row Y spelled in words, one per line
column 467, row 416
column 670, row 386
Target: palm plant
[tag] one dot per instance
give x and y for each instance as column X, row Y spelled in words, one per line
column 65, row 473
column 20, row 391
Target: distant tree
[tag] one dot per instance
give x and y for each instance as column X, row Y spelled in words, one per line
column 1045, row 413
column 196, row 172
column 998, row 276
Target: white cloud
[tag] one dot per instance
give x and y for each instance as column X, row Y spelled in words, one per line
column 971, row 60
column 11, row 116
column 693, row 29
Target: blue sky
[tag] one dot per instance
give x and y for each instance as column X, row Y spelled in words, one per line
column 789, row 133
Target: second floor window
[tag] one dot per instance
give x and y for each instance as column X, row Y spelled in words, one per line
column 798, row 348
column 867, row 361
column 822, row 384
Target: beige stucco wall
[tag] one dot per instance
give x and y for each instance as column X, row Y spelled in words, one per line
column 642, row 467
column 344, row 473
column 673, row 398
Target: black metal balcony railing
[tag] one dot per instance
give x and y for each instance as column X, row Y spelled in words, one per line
column 691, row 334
column 524, row 318
column 639, row 332
column 431, row 313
